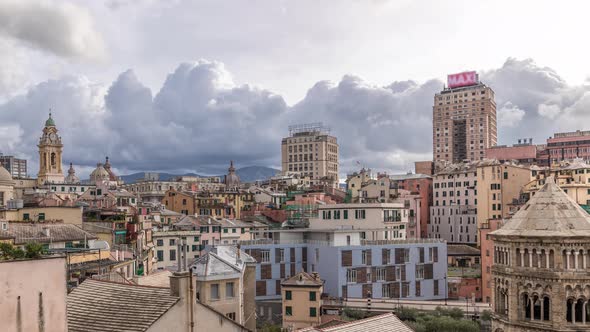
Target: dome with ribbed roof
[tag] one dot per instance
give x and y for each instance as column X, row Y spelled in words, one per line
column 99, row 174
column 549, row 213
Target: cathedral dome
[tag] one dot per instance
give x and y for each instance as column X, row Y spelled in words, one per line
column 5, row 177
column 232, row 180
column 99, row 174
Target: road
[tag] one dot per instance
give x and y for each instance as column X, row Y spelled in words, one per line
column 391, row 304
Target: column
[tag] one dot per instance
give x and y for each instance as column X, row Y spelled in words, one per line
column 521, row 257
column 539, row 264
column 576, row 254
column 584, row 313
column 532, row 308
column 547, row 258
column 567, row 260
column 542, row 307
column 530, row 258
column 584, row 259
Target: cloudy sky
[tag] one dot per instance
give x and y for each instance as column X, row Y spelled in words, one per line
column 188, row 85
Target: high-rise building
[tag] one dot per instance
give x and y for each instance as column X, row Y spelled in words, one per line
column 16, row 167
column 311, row 151
column 464, row 119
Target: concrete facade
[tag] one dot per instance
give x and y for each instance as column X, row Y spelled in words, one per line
column 453, row 216
column 311, row 151
column 464, row 123
column 33, row 295
column 302, row 301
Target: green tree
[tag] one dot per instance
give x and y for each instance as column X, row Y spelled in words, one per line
column 33, row 250
column 486, row 315
column 407, row 314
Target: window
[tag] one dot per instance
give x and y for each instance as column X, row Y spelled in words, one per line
column 265, row 256
column 172, row 254
column 312, row 296
column 41, row 216
column 313, row 312
column 435, row 288
column 385, row 291
column 419, row 271
column 350, row 275
column 288, row 295
column 160, row 254
column 195, row 247
column 225, row 230
column 336, row 214
column 380, row 274
column 233, row 230
column 172, row 242
column 214, row 291
column 359, row 214
column 229, row 290
column 27, row 217
column 288, row 311
column 243, row 230
column 281, row 255
column 365, row 256
column 160, row 242
column 345, row 212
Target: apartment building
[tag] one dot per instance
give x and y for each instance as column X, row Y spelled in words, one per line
column 15, row 166
column 381, row 221
column 310, row 150
column 499, row 186
column 464, row 120
column 166, row 246
column 152, row 190
column 567, row 146
column 350, row 266
column 524, row 152
column 302, row 303
column 419, row 185
column 453, row 216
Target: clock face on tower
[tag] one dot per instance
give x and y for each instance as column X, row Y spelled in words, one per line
column 52, row 137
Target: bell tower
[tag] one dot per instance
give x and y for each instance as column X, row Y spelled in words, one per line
column 50, row 149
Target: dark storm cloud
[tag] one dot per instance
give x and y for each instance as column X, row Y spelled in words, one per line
column 200, row 119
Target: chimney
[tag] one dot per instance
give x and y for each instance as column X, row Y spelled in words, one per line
column 47, row 231
column 315, row 275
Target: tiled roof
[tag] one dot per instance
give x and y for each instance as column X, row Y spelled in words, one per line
column 550, row 212
column 221, row 261
column 107, row 306
column 44, row 233
column 461, row 249
column 303, row 279
column 383, row 323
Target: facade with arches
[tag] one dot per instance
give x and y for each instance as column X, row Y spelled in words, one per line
column 50, row 151
column 541, row 270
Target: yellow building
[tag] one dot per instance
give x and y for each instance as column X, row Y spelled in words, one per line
column 65, row 214
column 302, row 303
column 498, row 187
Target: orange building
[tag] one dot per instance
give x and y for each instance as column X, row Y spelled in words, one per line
column 487, row 257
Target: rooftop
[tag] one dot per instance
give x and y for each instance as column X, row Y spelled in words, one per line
column 44, row 233
column 304, row 279
column 462, row 250
column 549, row 213
column 107, row 306
column 383, row 323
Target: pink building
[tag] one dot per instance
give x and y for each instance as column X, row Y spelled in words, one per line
column 421, row 185
column 568, row 146
column 487, row 258
column 523, row 153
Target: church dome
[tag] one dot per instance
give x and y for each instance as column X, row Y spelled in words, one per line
column 5, row 177
column 99, row 174
column 50, row 122
column 72, row 178
column 232, row 180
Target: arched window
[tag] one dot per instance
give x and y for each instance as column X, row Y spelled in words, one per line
column 587, row 313
column 526, row 306
column 536, row 307
column 527, row 258
column 564, row 259
column 546, row 308
column 535, row 258
column 551, row 259
column 581, row 259
column 572, row 260
column 579, row 313
column 518, row 258
column 543, row 258
column 570, row 310
column 53, row 159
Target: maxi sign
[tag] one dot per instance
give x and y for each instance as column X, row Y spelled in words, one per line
column 462, row 79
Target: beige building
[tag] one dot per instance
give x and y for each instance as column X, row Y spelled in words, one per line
column 225, row 281
column 7, row 191
column 453, row 216
column 65, row 214
column 101, row 305
column 540, row 272
column 33, row 294
column 464, row 123
column 499, row 185
column 311, row 151
column 381, row 221
column 302, row 303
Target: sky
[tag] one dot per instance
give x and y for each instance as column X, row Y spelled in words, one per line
column 186, row 86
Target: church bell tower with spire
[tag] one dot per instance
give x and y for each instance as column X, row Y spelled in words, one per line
column 50, row 150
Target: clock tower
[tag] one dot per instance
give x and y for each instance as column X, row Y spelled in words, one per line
column 50, row 149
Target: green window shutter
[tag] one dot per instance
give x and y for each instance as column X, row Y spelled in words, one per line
column 312, row 296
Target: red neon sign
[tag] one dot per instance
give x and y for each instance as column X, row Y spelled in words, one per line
column 462, row 79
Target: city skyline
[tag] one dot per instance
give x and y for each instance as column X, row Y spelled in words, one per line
column 202, row 112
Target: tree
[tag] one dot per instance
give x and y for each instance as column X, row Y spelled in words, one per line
column 486, row 315
column 33, row 250
column 8, row 252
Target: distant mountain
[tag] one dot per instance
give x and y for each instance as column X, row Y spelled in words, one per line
column 246, row 174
